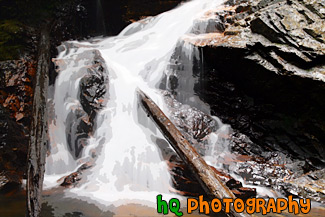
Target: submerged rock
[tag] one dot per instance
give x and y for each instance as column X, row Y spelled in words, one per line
column 78, row 130
column 93, row 87
column 92, row 96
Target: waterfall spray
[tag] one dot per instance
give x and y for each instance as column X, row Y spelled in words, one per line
column 129, row 161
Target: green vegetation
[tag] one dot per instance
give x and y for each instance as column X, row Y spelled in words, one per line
column 19, row 19
column 11, row 42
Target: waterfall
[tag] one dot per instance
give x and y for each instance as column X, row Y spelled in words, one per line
column 128, row 152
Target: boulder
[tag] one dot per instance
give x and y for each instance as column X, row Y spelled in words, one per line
column 264, row 73
column 74, row 178
column 92, row 96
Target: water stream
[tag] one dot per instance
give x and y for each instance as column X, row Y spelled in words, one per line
column 130, row 152
column 127, row 152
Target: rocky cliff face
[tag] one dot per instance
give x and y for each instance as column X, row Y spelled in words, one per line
column 284, row 37
column 267, row 58
column 264, row 74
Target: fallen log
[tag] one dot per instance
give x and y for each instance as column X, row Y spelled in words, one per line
column 205, row 175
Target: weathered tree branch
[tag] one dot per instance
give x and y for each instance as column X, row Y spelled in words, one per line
column 205, row 175
column 38, row 137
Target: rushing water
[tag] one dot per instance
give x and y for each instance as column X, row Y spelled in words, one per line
column 130, row 163
column 126, row 150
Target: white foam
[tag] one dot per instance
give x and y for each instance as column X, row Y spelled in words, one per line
column 130, row 164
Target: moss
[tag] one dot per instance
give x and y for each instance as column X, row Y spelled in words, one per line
column 17, row 17
column 11, row 39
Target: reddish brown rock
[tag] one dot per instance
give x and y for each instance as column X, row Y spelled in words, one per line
column 16, row 79
column 74, row 178
column 71, row 179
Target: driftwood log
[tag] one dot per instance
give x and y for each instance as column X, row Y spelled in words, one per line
column 38, row 137
column 205, row 175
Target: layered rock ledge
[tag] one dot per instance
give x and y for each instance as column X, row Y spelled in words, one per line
column 263, row 73
column 284, row 37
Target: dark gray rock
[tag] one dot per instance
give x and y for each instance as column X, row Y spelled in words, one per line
column 92, row 97
column 264, row 75
column 93, row 88
column 269, row 67
column 193, row 123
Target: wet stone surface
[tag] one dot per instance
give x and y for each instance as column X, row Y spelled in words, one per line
column 75, row 178
column 93, row 87
column 186, row 184
column 3, row 180
column 193, row 123
column 92, row 97
column 276, row 170
column 263, row 75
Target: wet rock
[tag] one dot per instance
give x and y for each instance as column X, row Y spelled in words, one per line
column 310, row 185
column 277, row 170
column 78, row 130
column 264, row 75
column 93, row 88
column 74, row 178
column 3, row 180
column 281, row 37
column 284, row 114
column 193, row 123
column 92, row 97
column 242, row 82
column 71, row 180
column 186, row 184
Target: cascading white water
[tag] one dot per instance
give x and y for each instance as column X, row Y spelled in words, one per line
column 130, row 163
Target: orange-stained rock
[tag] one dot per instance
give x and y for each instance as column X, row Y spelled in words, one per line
column 16, row 99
